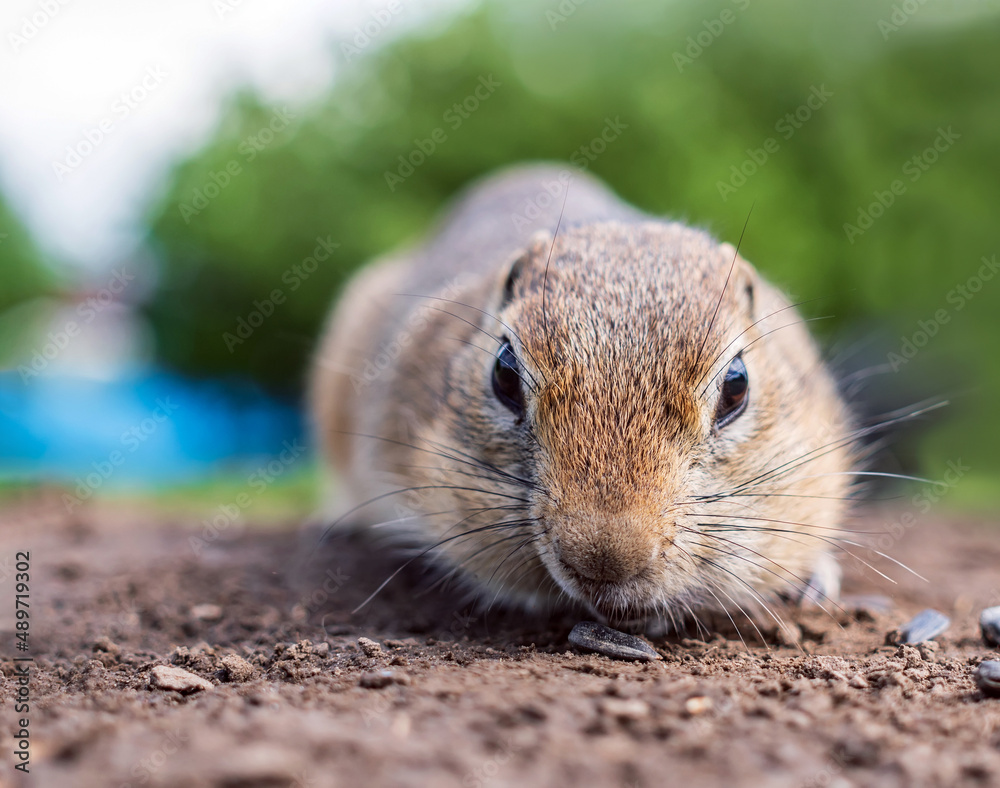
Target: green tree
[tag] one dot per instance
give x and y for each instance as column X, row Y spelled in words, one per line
column 23, row 273
column 809, row 113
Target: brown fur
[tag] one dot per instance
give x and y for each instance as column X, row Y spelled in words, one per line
column 616, row 482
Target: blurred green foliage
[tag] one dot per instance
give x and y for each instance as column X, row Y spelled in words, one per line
column 24, row 274
column 702, row 88
column 24, row 279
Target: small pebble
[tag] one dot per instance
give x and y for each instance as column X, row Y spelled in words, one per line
column 177, row 679
column 988, row 678
column 867, row 603
column 108, row 646
column 236, row 668
column 698, row 705
column 591, row 636
column 369, row 647
column 207, row 612
column 926, row 625
column 377, row 679
column 989, row 624
column 624, row 709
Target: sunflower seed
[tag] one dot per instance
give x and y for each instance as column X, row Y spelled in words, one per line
column 989, row 624
column 591, row 636
column 988, row 678
column 926, row 625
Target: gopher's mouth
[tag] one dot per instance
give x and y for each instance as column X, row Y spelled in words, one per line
column 612, row 600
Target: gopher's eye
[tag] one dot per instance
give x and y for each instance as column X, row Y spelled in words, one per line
column 735, row 394
column 507, row 380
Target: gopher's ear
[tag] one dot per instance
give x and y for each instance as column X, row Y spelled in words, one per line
column 511, row 274
column 538, row 249
column 744, row 279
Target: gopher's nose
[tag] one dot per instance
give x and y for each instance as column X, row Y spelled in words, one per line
column 607, row 563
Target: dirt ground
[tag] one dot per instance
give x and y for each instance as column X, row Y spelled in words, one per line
column 452, row 696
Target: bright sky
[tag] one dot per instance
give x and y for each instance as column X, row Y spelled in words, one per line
column 129, row 85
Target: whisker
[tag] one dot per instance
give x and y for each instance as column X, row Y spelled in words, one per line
column 463, row 457
column 758, row 339
column 724, row 496
column 473, row 460
column 702, row 631
column 469, row 474
column 725, row 287
column 468, row 323
column 483, row 312
column 753, row 592
column 855, row 382
column 885, row 474
column 887, row 558
column 834, row 445
column 732, row 621
column 544, row 577
column 424, row 515
column 389, row 494
column 531, row 385
column 455, row 569
column 723, row 607
column 784, row 522
column 803, row 581
column 545, row 276
column 735, row 339
column 427, row 550
column 833, row 541
column 529, row 540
